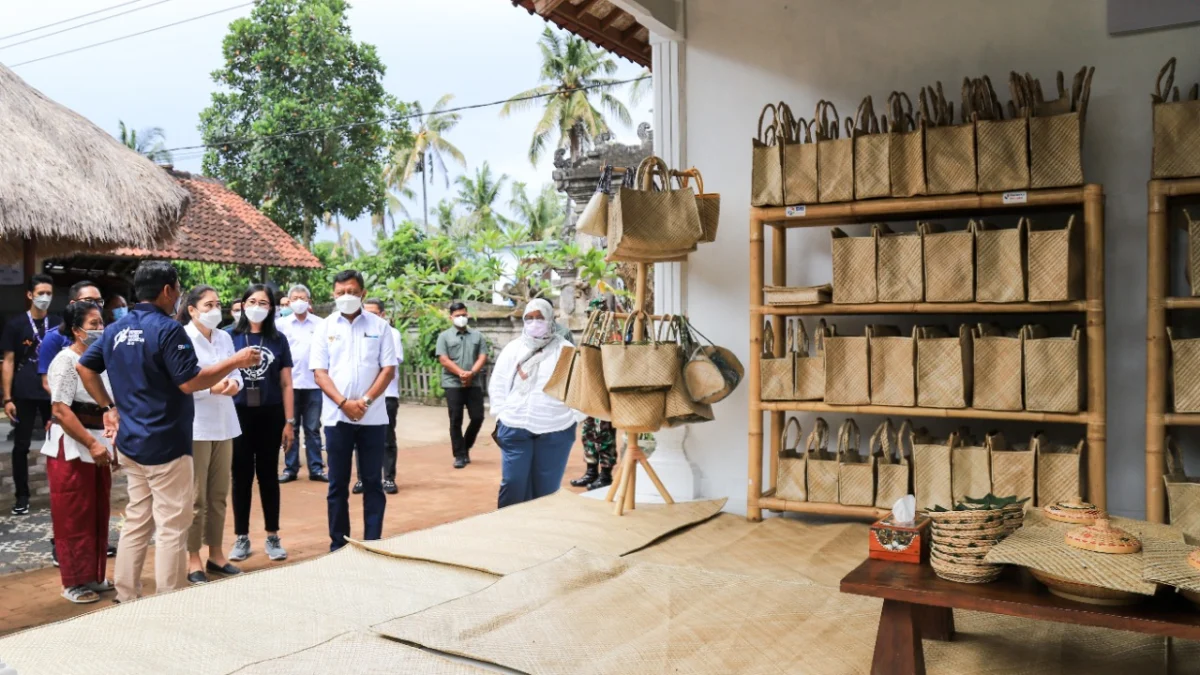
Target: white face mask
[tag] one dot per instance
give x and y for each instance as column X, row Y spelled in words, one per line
column 299, row 307
column 42, row 301
column 537, row 328
column 237, row 316
column 348, row 304
column 210, row 319
column 256, row 314
column 461, row 321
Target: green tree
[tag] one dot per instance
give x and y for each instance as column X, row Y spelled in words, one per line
column 570, row 66
column 426, row 149
column 294, row 128
column 478, row 196
column 541, row 217
column 149, row 142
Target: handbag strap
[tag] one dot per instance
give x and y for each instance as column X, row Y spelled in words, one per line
column 768, row 135
column 649, row 168
column 1168, row 71
column 684, row 178
column 1174, row 459
column 817, row 445
column 787, row 124
column 882, row 439
column 604, row 185
column 802, row 345
column 863, row 116
column 849, row 442
column 823, row 331
column 901, row 456
column 768, row 340
column 783, row 444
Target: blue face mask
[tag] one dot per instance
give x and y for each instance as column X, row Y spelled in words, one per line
column 286, row 311
column 119, row 313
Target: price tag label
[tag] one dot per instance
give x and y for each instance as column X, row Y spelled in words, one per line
column 798, row 211
column 1015, row 197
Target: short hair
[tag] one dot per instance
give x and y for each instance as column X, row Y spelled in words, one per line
column 268, row 325
column 39, row 279
column 77, row 288
column 150, row 278
column 457, row 307
column 74, row 316
column 348, row 275
column 300, row 287
column 235, row 301
column 377, row 302
column 191, row 300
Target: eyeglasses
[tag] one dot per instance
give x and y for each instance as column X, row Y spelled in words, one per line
column 99, row 302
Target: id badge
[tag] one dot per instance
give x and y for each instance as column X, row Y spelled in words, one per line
column 253, row 397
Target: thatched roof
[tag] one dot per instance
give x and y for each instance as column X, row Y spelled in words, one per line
column 71, row 185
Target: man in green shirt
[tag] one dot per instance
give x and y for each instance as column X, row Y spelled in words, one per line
column 462, row 352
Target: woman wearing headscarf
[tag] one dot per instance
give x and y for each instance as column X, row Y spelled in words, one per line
column 535, row 432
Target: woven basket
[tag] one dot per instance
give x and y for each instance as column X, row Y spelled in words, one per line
column 856, row 471
column 893, row 370
column 1000, row 263
column 1059, row 471
column 950, row 159
column 653, row 222
column 1012, row 468
column 892, row 469
column 1003, row 147
column 900, row 275
column 945, row 366
column 998, row 368
column 1185, row 372
column 1056, row 151
column 931, row 470
column 949, row 262
column 766, row 172
column 778, row 381
column 1056, row 266
column 822, row 466
column 970, row 471
column 1054, row 374
column 835, row 156
column 1176, row 129
column 810, row 369
column 638, row 412
column 871, row 163
column 799, row 162
column 1183, row 495
column 790, row 482
column 680, row 409
column 853, row 267
column 848, row 366
column 906, row 150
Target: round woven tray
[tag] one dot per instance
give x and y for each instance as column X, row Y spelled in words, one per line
column 1102, row 537
column 966, row 518
column 971, row 531
column 1085, row 593
column 966, row 574
column 1074, row 511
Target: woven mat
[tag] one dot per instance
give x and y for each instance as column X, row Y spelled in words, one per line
column 521, row 536
column 1167, row 563
column 361, row 652
column 223, row 626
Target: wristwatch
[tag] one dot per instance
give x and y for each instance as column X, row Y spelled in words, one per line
column 367, row 401
column 111, row 406
column 292, row 421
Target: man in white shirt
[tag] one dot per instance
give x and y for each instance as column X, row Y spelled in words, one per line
column 392, row 400
column 299, row 327
column 353, row 360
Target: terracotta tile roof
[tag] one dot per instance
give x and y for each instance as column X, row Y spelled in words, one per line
column 222, row 227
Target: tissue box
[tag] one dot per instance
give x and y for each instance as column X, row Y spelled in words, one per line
column 908, row 542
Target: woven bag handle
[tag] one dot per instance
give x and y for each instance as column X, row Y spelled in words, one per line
column 787, row 123
column 821, row 119
column 1085, row 94
column 649, row 168
column 594, row 325
column 802, row 344
column 818, row 440
column 1168, row 70
column 783, row 444
column 994, row 441
column 1174, row 459
column 819, row 338
column 685, row 179
column 604, row 185
column 768, row 136
column 808, row 130
column 849, row 441
column 901, row 456
column 882, row 439
column 768, row 340
column 863, row 116
column 849, row 126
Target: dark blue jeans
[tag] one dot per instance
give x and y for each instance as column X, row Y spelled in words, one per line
column 308, row 418
column 531, row 465
column 341, row 442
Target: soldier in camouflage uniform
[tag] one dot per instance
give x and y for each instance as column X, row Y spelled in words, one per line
column 599, row 443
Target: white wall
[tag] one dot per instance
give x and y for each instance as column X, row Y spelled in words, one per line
column 740, row 55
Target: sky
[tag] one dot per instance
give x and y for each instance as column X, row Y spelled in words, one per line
column 479, row 50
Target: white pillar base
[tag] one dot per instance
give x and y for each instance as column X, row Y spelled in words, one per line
column 673, row 467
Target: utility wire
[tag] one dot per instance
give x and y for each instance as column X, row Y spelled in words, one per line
column 131, row 35
column 88, row 23
column 401, row 118
column 59, row 23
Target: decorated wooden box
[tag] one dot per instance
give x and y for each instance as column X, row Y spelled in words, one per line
column 900, row 542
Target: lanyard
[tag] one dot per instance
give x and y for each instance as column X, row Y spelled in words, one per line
column 33, row 326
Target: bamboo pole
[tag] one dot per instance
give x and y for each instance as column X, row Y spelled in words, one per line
column 937, row 413
column 754, row 433
column 1177, row 420
column 777, row 504
column 828, row 308
column 1097, row 432
column 1157, row 290
column 779, row 278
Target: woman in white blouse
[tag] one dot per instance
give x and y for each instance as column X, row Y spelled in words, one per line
column 79, row 464
column 213, row 430
column 535, row 431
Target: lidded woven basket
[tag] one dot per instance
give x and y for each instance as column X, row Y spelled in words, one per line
column 1103, row 537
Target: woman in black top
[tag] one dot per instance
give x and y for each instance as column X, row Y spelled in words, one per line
column 264, row 408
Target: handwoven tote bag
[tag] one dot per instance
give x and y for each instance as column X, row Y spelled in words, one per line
column 822, row 466
column 1056, row 138
column 778, row 381
column 556, row 386
column 848, row 366
column 950, row 158
column 871, row 160
column 970, row 470
column 586, row 390
column 680, row 409
column 799, row 160
column 766, row 172
column 945, row 367
column 790, row 474
column 856, row 470
column 650, row 365
column 1059, row 471
column 949, row 262
column 1003, row 153
column 835, row 156
column 638, row 411
column 931, row 469
column 594, row 219
column 1054, row 373
column 1193, row 252
column 1183, row 495
column 899, row 271
column 1176, row 128
column 1056, row 266
column 892, row 469
column 853, row 268
column 906, row 149
column 708, row 204
column 1012, row 468
column 1000, row 263
column 893, row 370
column 810, row 366
column 1185, row 372
column 999, row 367
column 711, row 373
column 654, row 220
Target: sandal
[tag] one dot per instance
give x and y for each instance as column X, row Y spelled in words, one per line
column 80, row 595
column 101, row 586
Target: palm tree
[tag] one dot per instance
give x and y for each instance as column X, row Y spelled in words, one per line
column 477, row 195
column 570, row 68
column 150, row 142
column 541, row 216
column 428, row 148
column 447, row 218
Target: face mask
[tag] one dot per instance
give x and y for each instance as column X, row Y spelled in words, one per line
column 92, row 336
column 348, row 304
column 237, row 316
column 210, row 319
column 286, row 311
column 461, row 321
column 178, row 305
column 299, row 307
column 42, row 301
column 119, row 313
column 537, row 328
column 256, row 314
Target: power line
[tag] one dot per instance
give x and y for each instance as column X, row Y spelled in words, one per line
column 401, row 118
column 132, row 35
column 59, row 23
column 88, row 23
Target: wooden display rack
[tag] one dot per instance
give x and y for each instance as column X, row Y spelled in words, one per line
column 781, row 219
column 1158, row 303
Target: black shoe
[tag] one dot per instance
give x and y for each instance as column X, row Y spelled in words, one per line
column 318, row 477
column 389, row 486
column 197, row 578
column 21, row 506
column 460, row 462
column 228, row 569
column 286, row 477
column 604, row 480
column 53, row 553
column 467, row 457
column 357, row 488
column 589, row 476
column 112, row 551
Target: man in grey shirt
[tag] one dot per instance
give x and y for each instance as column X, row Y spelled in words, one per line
column 462, row 352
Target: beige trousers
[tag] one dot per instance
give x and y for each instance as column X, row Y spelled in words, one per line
column 160, row 505
column 213, row 462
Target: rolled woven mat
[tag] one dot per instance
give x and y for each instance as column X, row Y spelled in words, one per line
column 363, row 652
column 1166, row 562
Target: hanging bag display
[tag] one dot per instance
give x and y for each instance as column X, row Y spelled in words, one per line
column 1176, row 127
column 586, row 389
column 906, row 148
column 900, row 274
column 1056, row 133
column 871, row 159
column 1185, row 372
column 1056, row 265
column 949, row 148
column 799, row 160
column 1183, row 495
column 1059, row 471
column 708, row 204
column 1012, row 468
column 653, row 222
column 791, row 474
column 766, row 172
column 810, row 368
column 1054, row 372
column 931, row 469
column 1000, row 263
column 949, row 262
column 854, row 266
column 822, row 466
column 650, row 365
column 970, row 470
column 999, row 366
column 945, row 367
column 893, row 370
column 1002, row 145
column 856, row 471
column 778, row 381
column 835, row 156
column 892, row 470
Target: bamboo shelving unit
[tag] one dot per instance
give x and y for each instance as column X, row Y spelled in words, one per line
column 1088, row 198
column 1158, row 302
